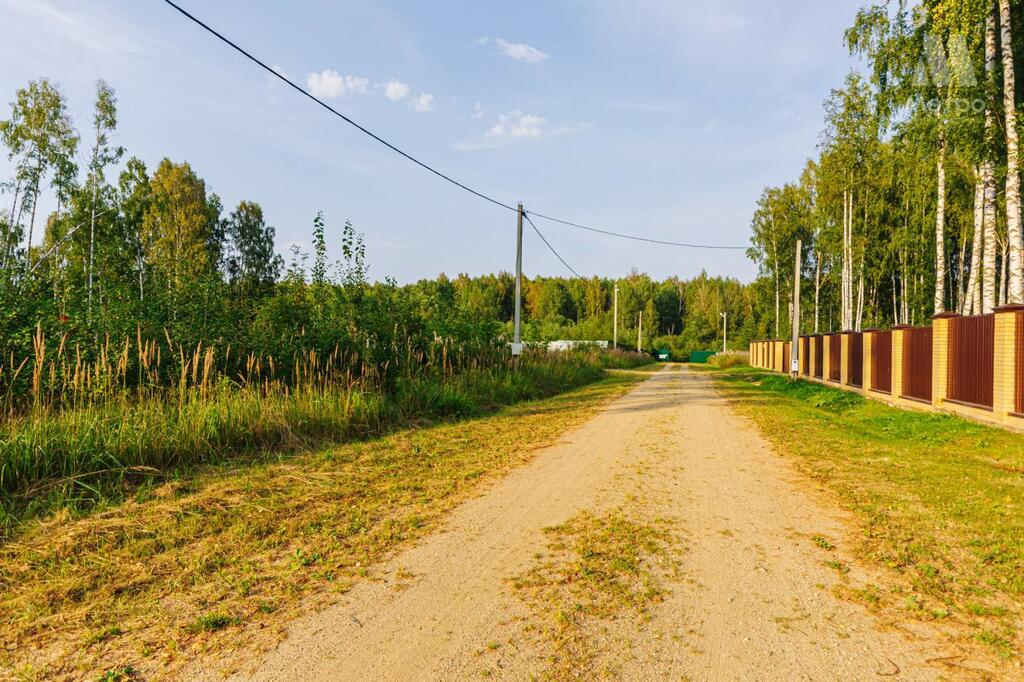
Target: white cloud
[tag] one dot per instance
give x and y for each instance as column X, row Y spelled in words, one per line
column 517, row 125
column 329, row 84
column 519, row 51
column 478, row 111
column 396, row 91
column 422, row 102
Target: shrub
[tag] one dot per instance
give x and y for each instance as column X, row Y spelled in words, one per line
column 731, row 359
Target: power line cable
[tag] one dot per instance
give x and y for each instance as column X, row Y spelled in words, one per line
column 331, row 109
column 287, row 81
column 634, row 237
column 548, row 244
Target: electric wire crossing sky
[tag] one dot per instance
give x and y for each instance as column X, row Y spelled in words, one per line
column 291, row 84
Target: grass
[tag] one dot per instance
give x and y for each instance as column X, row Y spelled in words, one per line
column 597, row 569
column 940, row 499
column 220, row 559
column 78, row 458
column 729, row 360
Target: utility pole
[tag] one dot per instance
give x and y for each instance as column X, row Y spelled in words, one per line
column 615, row 314
column 725, row 332
column 517, row 342
column 640, row 334
column 794, row 349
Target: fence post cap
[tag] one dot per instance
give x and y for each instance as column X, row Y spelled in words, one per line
column 901, row 327
column 1010, row 308
column 945, row 315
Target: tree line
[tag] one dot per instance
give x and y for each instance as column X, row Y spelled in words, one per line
column 140, row 253
column 912, row 206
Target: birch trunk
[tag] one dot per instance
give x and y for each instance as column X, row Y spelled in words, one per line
column 775, row 249
column 895, row 303
column 1003, row 282
column 1015, row 294
column 842, row 285
column 988, row 173
column 972, row 301
column 32, row 225
column 817, row 289
column 92, row 242
column 940, row 230
column 14, row 206
column 906, row 299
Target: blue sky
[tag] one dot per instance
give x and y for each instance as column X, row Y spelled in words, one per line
column 657, row 117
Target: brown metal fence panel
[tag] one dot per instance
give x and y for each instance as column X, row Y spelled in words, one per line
column 835, row 357
column 881, row 362
column 971, row 359
column 819, row 355
column 1018, row 351
column 855, row 362
column 917, row 363
column 805, row 355
column 787, row 361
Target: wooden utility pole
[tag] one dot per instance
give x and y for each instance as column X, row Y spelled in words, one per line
column 615, row 314
column 517, row 342
column 725, row 332
column 794, row 349
column 640, row 334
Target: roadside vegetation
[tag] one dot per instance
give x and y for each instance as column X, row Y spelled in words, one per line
column 95, row 446
column 940, row 500
column 220, row 560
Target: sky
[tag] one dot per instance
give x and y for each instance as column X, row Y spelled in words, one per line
column 661, row 118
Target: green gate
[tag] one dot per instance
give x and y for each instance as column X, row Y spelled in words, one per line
column 701, row 356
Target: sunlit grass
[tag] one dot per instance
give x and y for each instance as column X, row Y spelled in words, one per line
column 223, row 556
column 940, row 499
column 78, row 457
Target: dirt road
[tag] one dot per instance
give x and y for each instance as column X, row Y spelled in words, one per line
column 754, row 598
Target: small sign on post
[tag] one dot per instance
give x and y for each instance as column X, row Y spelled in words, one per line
column 517, row 349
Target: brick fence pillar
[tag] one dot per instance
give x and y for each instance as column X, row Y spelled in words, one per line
column 1004, row 383
column 897, row 362
column 940, row 357
column 869, row 343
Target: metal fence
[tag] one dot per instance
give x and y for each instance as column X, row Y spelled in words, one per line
column 917, row 363
column 819, row 355
column 967, row 365
column 835, row 357
column 855, row 364
column 881, row 361
column 971, row 360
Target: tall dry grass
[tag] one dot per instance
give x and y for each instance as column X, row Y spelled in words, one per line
column 89, row 430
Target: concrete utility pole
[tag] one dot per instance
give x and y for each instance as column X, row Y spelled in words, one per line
column 725, row 332
column 615, row 314
column 517, row 343
column 640, row 334
column 794, row 349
